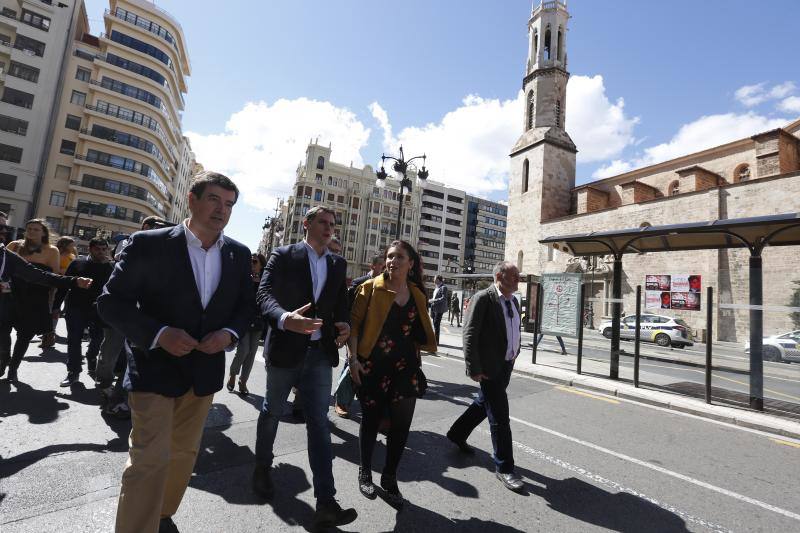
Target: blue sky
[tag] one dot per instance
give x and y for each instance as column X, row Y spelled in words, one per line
column 650, row 81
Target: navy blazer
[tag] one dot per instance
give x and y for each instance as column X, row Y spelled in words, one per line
column 285, row 286
column 484, row 335
column 153, row 286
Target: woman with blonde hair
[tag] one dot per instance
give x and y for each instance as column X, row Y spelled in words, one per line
column 390, row 325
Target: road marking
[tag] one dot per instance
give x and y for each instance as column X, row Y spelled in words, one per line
column 786, row 443
column 586, row 394
column 430, row 364
column 613, row 485
column 662, row 470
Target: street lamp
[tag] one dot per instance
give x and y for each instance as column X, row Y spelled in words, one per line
column 400, row 167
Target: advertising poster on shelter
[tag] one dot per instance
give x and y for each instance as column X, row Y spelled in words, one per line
column 560, row 304
column 673, row 291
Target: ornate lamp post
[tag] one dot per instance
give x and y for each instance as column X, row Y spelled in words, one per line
column 401, row 167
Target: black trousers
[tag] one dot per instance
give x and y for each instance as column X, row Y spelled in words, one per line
column 437, row 323
column 491, row 403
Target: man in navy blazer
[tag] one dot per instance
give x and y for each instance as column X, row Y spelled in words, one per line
column 182, row 296
column 303, row 295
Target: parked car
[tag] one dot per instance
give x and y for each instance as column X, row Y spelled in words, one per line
column 780, row 348
column 660, row 329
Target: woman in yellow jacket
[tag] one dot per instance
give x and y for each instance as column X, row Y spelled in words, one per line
column 390, row 325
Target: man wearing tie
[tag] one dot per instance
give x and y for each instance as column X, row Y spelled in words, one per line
column 182, row 296
column 491, row 344
column 303, row 295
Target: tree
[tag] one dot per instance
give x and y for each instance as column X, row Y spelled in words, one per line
column 795, row 302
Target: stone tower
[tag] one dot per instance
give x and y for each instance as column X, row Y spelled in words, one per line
column 543, row 159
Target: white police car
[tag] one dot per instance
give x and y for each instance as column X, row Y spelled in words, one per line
column 780, row 348
column 660, row 329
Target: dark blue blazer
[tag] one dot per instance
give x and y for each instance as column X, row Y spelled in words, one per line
column 153, row 286
column 285, row 286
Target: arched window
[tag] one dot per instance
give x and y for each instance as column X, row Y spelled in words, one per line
column 674, row 188
column 547, row 43
column 525, row 168
column 520, row 256
column 531, row 109
column 560, row 54
column 320, row 162
column 558, row 112
column 535, row 46
column 742, row 173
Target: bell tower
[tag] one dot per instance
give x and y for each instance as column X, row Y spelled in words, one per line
column 543, row 159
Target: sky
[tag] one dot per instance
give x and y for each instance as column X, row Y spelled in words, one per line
column 650, row 81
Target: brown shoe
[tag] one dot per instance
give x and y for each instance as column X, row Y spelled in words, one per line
column 342, row 412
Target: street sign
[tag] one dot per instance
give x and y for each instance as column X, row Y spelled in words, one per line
column 560, row 304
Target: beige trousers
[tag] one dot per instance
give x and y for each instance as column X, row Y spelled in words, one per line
column 164, row 442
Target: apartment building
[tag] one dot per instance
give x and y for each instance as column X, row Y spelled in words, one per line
column 453, row 231
column 33, row 45
column 117, row 153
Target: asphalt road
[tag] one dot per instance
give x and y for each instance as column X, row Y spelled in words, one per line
column 590, row 462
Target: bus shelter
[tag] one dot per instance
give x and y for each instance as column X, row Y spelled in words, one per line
column 752, row 233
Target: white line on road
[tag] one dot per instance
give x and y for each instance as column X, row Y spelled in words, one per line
column 430, row 364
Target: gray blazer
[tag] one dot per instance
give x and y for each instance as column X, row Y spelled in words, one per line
column 484, row 334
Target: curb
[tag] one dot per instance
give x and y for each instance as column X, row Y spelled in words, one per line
column 681, row 404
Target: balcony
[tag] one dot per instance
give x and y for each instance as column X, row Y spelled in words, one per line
column 156, row 182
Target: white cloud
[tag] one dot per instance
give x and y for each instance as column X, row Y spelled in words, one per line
column 469, row 146
column 705, row 132
column 752, row 95
column 262, row 144
column 790, row 104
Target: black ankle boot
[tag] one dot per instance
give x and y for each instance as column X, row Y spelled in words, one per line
column 392, row 491
column 365, row 484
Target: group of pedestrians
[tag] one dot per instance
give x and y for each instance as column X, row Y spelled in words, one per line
column 178, row 298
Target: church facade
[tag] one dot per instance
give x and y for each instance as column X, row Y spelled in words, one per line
column 759, row 175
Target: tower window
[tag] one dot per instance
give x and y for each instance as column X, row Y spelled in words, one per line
column 560, row 55
column 320, row 162
column 547, row 43
column 531, row 109
column 525, row 169
column 674, row 188
column 742, row 173
column 536, row 46
column 520, row 257
column 558, row 112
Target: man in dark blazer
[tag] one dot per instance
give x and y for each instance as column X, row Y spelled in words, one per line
column 182, row 296
column 303, row 295
column 491, row 344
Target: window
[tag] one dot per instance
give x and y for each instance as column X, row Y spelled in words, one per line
column 742, row 173
column 340, row 199
column 355, row 203
column 531, row 109
column 520, row 258
column 68, row 147
column 10, row 153
column 36, row 20
column 24, row 72
column 29, row 46
column 133, row 92
column 83, row 74
column 674, row 188
column 73, row 122
column 54, row 223
column 137, row 68
column 58, row 199
column 8, row 182
column 560, row 46
column 330, row 197
column 558, row 112
column 547, row 43
column 13, row 125
column 141, row 46
column 456, row 199
column 451, row 233
column 525, row 169
column 318, row 195
column 320, row 162
column 78, row 98
column 17, row 98
column 63, row 172
column 319, row 178
column 451, row 245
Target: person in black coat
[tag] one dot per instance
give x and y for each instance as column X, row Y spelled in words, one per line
column 11, row 266
column 182, row 296
column 303, row 296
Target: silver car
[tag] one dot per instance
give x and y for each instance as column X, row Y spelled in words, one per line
column 660, row 329
column 785, row 347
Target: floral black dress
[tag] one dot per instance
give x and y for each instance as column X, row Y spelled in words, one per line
column 390, row 373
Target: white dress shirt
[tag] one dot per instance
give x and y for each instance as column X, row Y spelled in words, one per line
column 513, row 333
column 318, row 264
column 207, row 270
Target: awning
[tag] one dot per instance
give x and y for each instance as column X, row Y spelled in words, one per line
column 754, row 233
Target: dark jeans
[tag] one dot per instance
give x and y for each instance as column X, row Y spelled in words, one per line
column 77, row 320
column 437, row 322
column 12, row 360
column 560, row 341
column 313, row 378
column 492, row 402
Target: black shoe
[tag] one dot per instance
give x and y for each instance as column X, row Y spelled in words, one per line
column 12, row 375
column 297, row 413
column 462, row 444
column 564, row 353
column 71, row 379
column 262, row 482
column 511, row 481
column 365, row 484
column 166, row 525
column 391, row 490
column 329, row 515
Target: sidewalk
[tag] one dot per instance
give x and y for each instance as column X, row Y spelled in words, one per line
column 556, row 368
